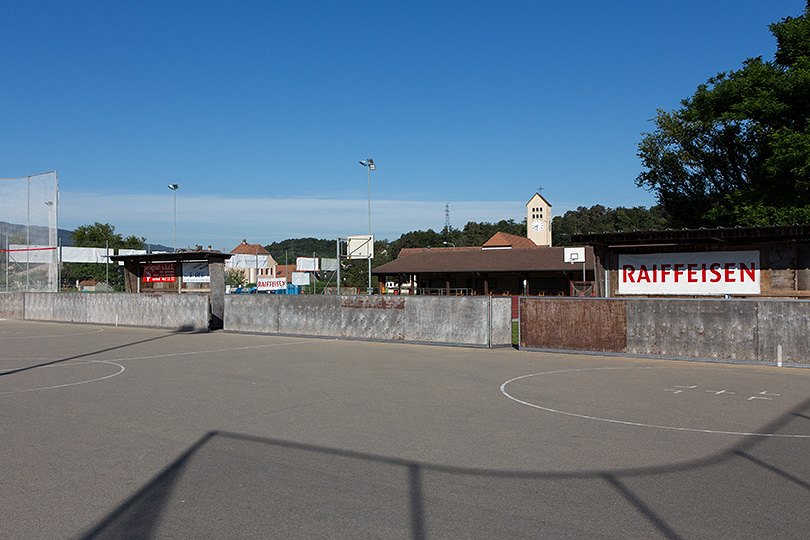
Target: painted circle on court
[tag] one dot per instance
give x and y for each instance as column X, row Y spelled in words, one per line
column 50, row 374
column 670, row 398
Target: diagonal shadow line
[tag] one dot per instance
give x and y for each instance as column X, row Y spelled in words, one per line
column 801, row 416
column 417, row 502
column 85, row 355
column 657, row 521
column 139, row 515
column 776, row 470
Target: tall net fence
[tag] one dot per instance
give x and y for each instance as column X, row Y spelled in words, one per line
column 29, row 233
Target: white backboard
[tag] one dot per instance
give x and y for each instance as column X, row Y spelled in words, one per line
column 360, row 246
column 574, row 254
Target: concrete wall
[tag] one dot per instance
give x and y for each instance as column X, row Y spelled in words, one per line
column 744, row 330
column 12, row 305
column 471, row 321
column 187, row 311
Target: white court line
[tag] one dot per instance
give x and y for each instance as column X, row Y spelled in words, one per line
column 114, row 363
column 120, row 371
column 623, row 422
column 229, row 349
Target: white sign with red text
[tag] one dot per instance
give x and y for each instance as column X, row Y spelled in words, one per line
column 718, row 272
column 271, row 284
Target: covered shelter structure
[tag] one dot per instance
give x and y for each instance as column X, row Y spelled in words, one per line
column 539, row 271
column 737, row 262
column 195, row 272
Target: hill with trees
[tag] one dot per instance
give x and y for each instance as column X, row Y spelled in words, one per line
column 598, row 219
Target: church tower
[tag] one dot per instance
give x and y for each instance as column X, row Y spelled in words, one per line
column 538, row 220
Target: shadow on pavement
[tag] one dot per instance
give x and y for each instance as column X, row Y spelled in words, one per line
column 93, row 353
column 236, row 486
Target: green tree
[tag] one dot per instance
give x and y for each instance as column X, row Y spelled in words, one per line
column 235, row 277
column 598, row 219
column 301, row 247
column 738, row 151
column 99, row 235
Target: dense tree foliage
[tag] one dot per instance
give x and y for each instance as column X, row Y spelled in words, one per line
column 98, row 235
column 235, row 277
column 598, row 219
column 738, row 151
column 300, row 247
column 473, row 234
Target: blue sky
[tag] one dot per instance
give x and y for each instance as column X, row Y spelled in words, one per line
column 261, row 111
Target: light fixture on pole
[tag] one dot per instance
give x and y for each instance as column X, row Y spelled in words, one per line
column 369, row 165
column 450, row 244
column 174, row 187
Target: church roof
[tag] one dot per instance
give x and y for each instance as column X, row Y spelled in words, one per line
column 502, row 239
column 536, row 259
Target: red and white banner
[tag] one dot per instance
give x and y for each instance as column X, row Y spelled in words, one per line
column 718, row 272
column 158, row 272
column 271, row 284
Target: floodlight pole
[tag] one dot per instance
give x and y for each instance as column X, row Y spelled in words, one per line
column 174, row 187
column 369, row 165
column 52, row 273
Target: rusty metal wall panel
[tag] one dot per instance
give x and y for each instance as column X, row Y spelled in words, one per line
column 573, row 323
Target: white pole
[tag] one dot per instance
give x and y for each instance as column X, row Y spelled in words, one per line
column 27, row 232
column 368, row 167
column 175, row 219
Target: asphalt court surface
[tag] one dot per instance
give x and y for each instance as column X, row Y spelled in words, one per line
column 144, row 433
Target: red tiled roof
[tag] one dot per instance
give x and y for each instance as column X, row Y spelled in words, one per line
column 249, row 249
column 408, row 251
column 502, row 239
column 284, row 270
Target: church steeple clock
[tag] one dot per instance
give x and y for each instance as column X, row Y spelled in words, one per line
column 538, row 220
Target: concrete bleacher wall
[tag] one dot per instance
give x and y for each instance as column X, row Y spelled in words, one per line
column 470, row 321
column 766, row 331
column 186, row 311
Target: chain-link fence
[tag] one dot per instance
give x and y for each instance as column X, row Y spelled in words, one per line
column 28, row 233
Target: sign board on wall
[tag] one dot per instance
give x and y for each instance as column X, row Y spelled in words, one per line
column 158, row 272
column 271, row 284
column 196, row 272
column 705, row 273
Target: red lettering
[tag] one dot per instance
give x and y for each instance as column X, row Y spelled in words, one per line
column 627, row 274
column 729, row 268
column 677, row 272
column 664, row 272
column 643, row 274
column 690, row 273
column 750, row 272
column 713, row 269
